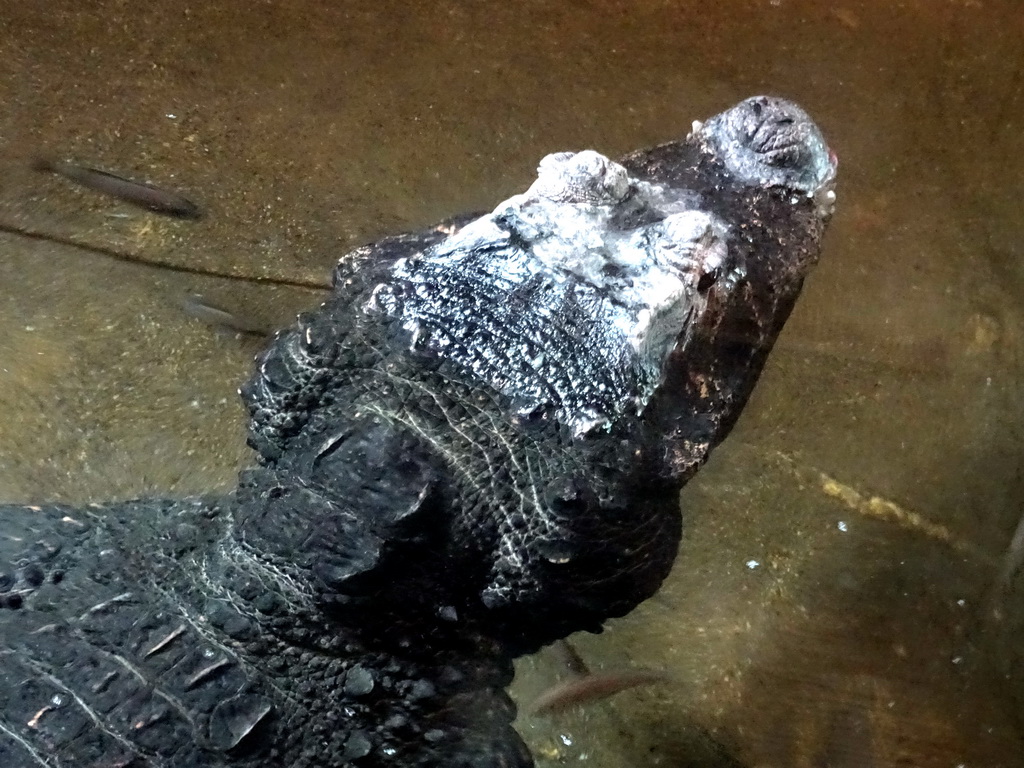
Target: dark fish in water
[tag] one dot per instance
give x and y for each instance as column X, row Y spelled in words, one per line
column 1002, row 590
column 570, row 658
column 850, row 740
column 592, row 687
column 1014, row 557
column 196, row 306
column 135, row 192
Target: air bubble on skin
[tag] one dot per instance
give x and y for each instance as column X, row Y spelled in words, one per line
column 57, row 700
column 825, row 201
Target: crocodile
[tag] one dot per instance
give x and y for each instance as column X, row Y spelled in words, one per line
column 471, row 449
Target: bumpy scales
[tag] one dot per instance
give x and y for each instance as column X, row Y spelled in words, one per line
column 473, row 448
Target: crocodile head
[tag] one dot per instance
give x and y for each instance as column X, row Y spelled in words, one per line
column 488, row 422
column 566, row 361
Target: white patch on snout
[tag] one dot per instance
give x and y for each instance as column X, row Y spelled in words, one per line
column 650, row 273
column 622, row 264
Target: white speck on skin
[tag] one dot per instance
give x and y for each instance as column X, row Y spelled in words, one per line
column 752, row 564
column 957, row 659
column 841, row 525
column 566, row 739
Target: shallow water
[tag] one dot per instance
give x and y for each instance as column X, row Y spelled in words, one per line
column 876, row 478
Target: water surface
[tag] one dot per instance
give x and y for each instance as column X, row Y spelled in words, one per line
column 841, row 595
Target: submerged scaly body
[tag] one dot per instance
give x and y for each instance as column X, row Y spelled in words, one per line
column 472, row 448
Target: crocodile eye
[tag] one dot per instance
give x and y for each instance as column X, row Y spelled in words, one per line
column 708, row 279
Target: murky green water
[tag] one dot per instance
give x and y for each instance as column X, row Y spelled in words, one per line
column 876, row 478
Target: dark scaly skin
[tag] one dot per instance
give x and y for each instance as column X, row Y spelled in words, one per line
column 456, row 467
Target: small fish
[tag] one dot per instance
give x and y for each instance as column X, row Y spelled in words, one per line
column 570, row 658
column 1014, row 557
column 135, row 192
column 1002, row 589
column 196, row 306
column 850, row 741
column 592, row 687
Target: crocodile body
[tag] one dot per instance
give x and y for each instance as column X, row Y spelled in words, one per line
column 472, row 448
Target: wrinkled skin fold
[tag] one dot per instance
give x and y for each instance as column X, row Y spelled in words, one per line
column 472, row 448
